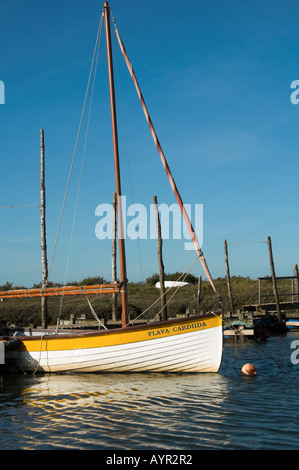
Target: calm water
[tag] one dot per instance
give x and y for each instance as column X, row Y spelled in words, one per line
column 156, row 411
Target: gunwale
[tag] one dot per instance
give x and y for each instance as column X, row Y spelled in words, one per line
column 129, row 328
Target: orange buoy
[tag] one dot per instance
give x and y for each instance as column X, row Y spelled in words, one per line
column 249, row 369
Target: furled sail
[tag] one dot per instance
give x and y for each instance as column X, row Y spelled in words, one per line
column 60, row 291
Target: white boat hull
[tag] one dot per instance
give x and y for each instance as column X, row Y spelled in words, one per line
column 183, row 347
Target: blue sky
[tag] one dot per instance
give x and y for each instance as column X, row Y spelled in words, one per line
column 216, row 76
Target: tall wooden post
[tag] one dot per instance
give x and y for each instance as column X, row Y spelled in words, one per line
column 44, row 305
column 198, row 294
column 163, row 314
column 229, row 288
column 114, row 248
column 275, row 291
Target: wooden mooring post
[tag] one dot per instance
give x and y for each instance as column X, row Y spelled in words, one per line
column 163, row 314
column 275, row 291
column 198, row 297
column 114, row 248
column 296, row 286
column 229, row 287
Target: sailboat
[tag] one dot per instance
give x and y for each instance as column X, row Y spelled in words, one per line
column 191, row 344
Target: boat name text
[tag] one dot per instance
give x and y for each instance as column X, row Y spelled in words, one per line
column 176, row 329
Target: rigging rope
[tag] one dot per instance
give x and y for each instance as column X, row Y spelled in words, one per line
column 94, row 59
column 19, row 205
column 94, row 313
column 178, row 287
column 77, row 139
column 165, row 164
column 246, row 243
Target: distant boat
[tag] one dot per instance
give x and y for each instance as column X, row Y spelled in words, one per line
column 190, row 344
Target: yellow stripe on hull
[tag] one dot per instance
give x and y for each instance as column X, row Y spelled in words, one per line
column 189, row 344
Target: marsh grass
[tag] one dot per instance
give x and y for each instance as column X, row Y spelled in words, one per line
column 141, row 296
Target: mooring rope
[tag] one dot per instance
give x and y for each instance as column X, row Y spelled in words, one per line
column 273, row 359
column 237, row 331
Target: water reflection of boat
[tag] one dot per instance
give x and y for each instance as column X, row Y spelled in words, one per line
column 140, row 411
column 191, row 344
column 133, row 389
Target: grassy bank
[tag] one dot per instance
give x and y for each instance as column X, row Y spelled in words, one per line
column 24, row 312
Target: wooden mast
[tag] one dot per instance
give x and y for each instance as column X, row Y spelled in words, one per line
column 123, row 273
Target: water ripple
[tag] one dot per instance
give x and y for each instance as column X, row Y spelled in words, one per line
column 155, row 411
